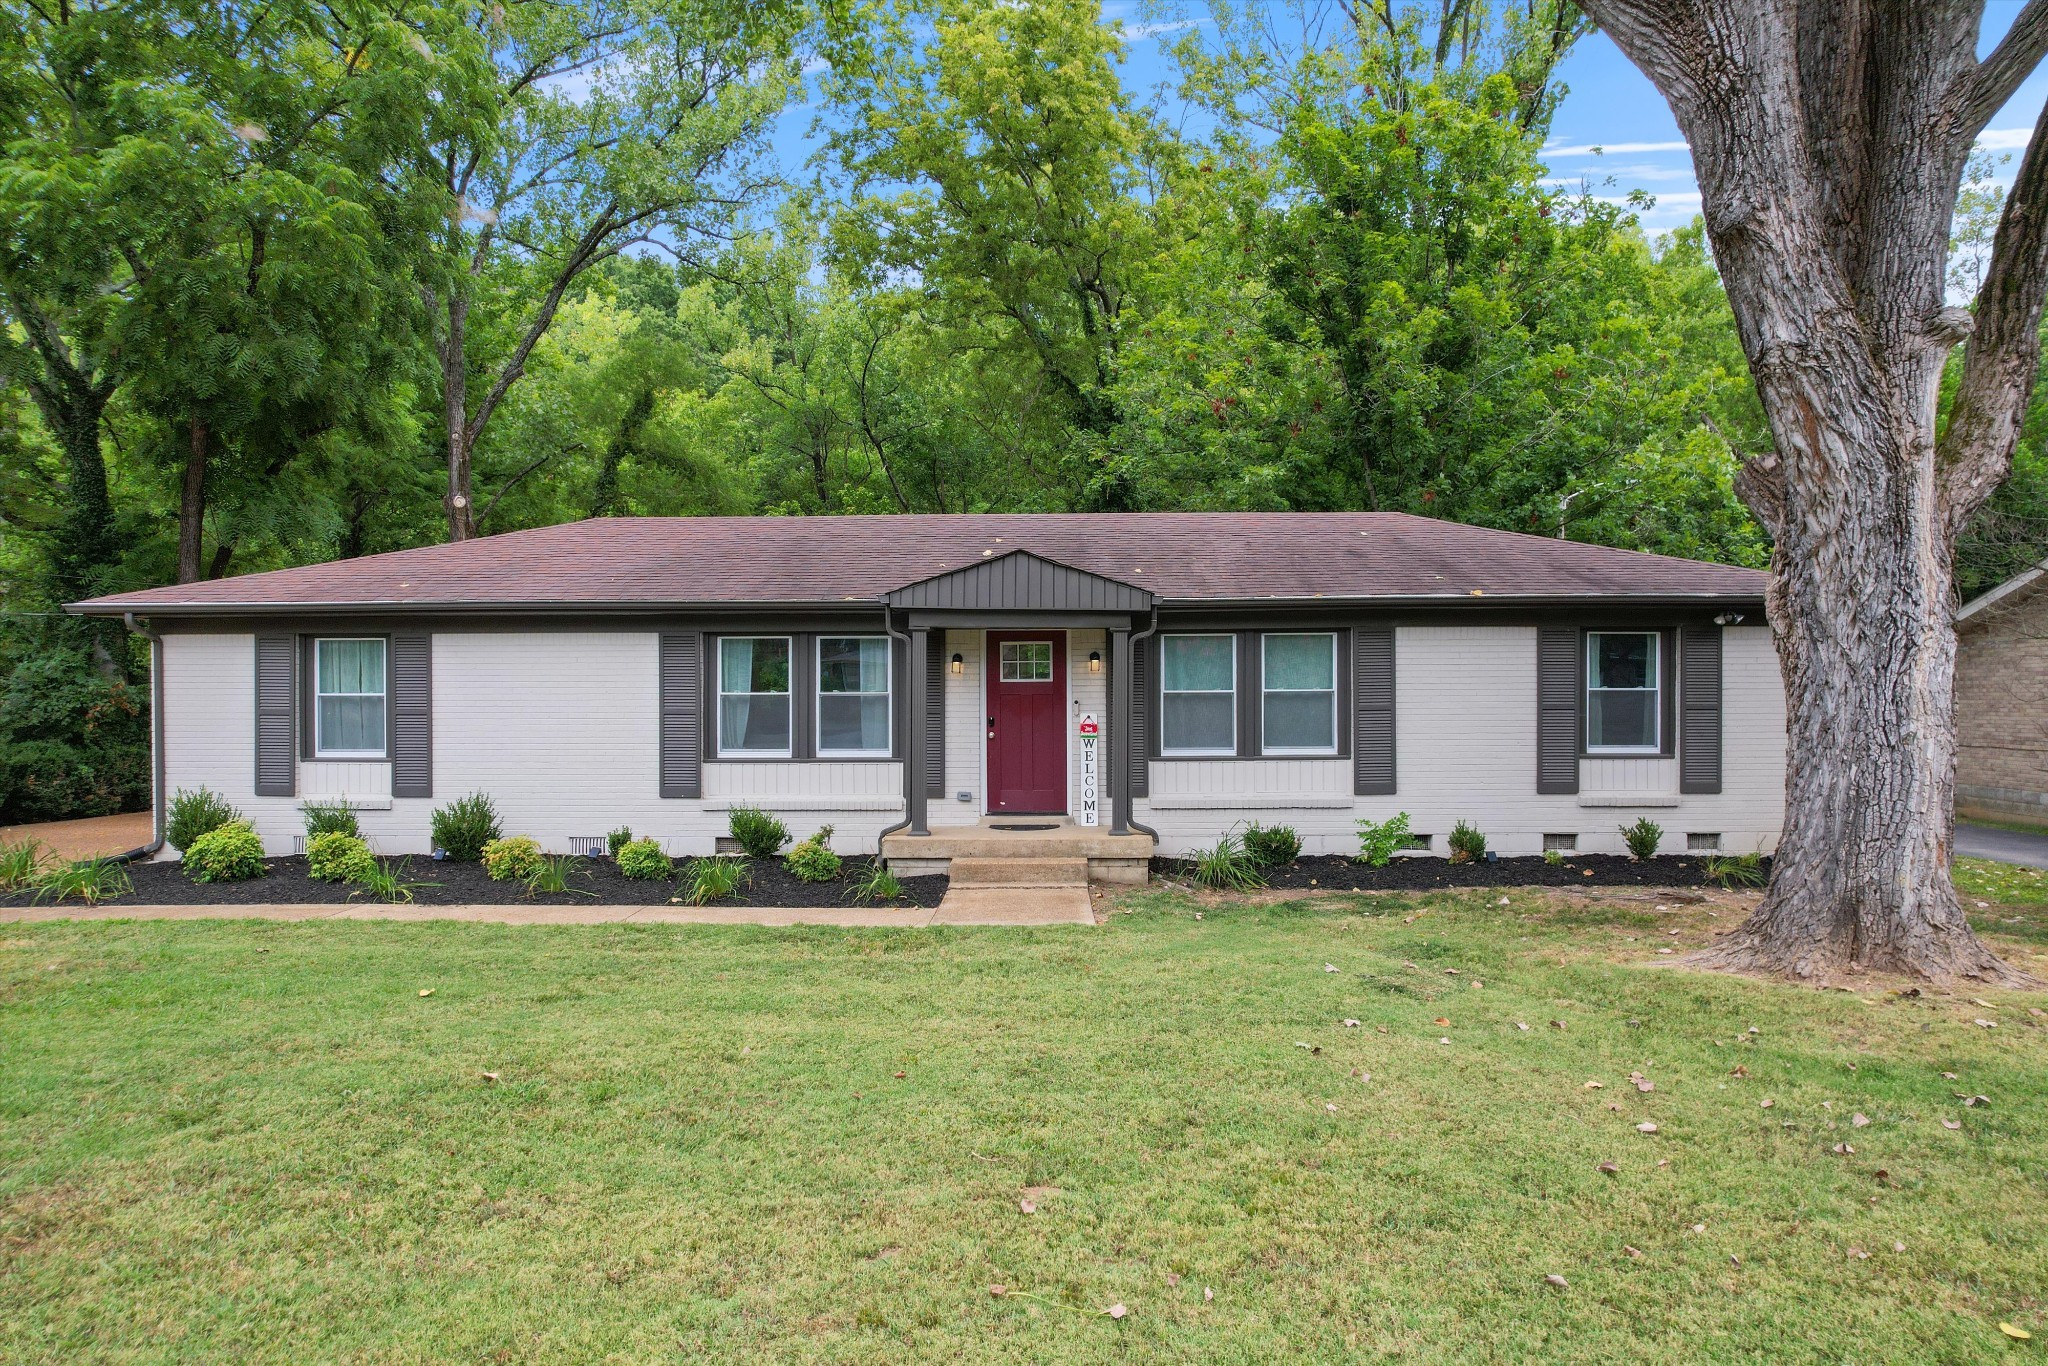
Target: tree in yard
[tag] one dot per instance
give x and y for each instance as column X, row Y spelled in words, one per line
column 613, row 124
column 1830, row 141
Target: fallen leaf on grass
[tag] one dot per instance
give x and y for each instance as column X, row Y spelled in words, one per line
column 1557, row 1024
column 1898, row 1247
column 1172, row 1278
column 1329, row 967
column 1521, row 1026
column 1646, row 1127
column 1699, row 1228
column 999, row 1290
column 1554, row 1279
column 1951, row 1124
column 1027, row 1207
column 1207, row 1294
column 1595, row 1085
column 1116, row 1311
column 1331, row 1108
column 1741, row 1070
column 1351, row 1024
column 1441, row 1020
column 491, row 1076
column 1859, row 1254
column 1845, row 1148
column 1609, row 1168
column 1985, row 1024
column 1631, row 1251
column 1859, row 1120
column 1766, row 1104
column 1972, row 1102
column 426, row 991
column 2016, row 1333
column 901, row 1075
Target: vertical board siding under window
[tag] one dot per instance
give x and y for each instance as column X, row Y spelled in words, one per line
column 681, row 669
column 1372, row 683
column 1559, row 697
column 1699, row 701
column 276, row 714
column 412, row 716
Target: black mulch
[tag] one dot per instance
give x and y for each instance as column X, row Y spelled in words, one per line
column 1410, row 873
column 464, row 884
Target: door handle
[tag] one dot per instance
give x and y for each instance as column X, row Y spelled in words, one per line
column 991, row 727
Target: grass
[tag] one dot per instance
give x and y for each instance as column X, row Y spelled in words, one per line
column 261, row 1142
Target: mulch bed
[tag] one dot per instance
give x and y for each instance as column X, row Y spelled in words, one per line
column 1335, row 872
column 463, row 884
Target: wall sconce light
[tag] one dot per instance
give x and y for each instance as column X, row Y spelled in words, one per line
column 959, row 665
column 1095, row 661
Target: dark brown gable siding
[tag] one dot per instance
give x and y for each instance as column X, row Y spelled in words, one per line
column 1020, row 581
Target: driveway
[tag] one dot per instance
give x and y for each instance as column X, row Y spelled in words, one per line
column 92, row 837
column 2007, row 846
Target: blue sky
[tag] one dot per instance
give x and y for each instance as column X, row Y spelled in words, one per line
column 1609, row 105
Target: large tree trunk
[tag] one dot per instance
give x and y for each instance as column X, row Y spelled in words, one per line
column 192, row 504
column 1830, row 141
column 459, row 503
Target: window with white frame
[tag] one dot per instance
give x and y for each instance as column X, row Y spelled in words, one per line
column 1198, row 695
column 1624, row 706
column 1299, row 709
column 753, row 696
column 348, row 699
column 853, row 695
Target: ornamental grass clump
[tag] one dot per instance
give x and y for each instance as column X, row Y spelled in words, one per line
column 876, row 882
column 1225, row 866
column 813, row 860
column 91, row 880
column 230, row 853
column 513, row 860
column 1269, row 846
column 643, row 860
column 552, row 877
column 196, row 813
column 21, row 864
column 759, row 833
column 464, row 826
column 713, row 879
column 338, row 857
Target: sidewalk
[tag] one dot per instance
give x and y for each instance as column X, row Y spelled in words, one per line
column 863, row 917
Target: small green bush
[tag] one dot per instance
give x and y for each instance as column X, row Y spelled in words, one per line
column 1225, row 866
column 228, row 853
column 464, row 826
column 513, row 860
column 194, row 814
column 813, row 860
column 1468, row 843
column 1379, row 841
column 1642, row 838
column 759, row 833
column 643, row 859
column 20, row 864
column 1269, row 846
column 712, row 879
column 617, row 840
column 329, row 818
column 1554, row 857
column 91, row 880
column 338, row 857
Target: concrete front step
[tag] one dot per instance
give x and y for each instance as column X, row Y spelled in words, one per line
column 983, row 841
column 1019, row 872
column 1015, row 906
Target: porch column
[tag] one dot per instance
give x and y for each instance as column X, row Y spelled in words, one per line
column 914, row 731
column 1119, row 731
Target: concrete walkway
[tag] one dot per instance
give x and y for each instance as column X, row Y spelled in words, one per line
column 2007, row 846
column 1050, row 911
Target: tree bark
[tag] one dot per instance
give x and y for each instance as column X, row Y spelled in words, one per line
column 192, row 504
column 1829, row 142
column 459, row 503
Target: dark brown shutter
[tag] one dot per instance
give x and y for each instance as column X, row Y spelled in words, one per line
column 1141, row 718
column 277, row 659
column 1699, row 709
column 1558, row 702
column 682, row 703
column 935, row 665
column 1372, row 710
column 412, row 716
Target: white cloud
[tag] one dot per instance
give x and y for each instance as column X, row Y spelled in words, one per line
column 1589, row 149
column 1155, row 30
column 2004, row 139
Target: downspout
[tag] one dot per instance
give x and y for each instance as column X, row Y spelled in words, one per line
column 909, row 750
column 157, row 795
column 1136, row 639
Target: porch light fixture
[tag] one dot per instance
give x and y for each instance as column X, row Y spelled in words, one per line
column 1095, row 661
column 959, row 664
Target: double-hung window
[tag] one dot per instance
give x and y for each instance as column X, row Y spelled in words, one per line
column 1299, row 708
column 853, row 695
column 1624, row 705
column 348, row 699
column 1198, row 695
column 753, row 696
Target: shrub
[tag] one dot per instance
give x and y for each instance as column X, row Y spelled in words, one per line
column 20, row 864
column 759, row 833
column 194, row 814
column 463, row 827
column 230, row 853
column 877, row 882
column 329, row 818
column 512, row 860
column 813, row 860
column 552, row 877
column 617, row 840
column 711, row 879
column 1642, row 838
column 1740, row 870
column 1379, row 841
column 644, row 860
column 1554, row 857
column 1270, row 846
column 91, row 880
column 338, row 857
column 1468, row 844
column 1225, row 866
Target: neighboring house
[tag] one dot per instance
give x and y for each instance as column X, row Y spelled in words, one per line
column 1310, row 669
column 2002, row 701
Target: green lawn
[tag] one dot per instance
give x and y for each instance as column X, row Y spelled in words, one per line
column 261, row 1142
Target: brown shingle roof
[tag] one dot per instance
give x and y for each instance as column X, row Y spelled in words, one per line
column 1180, row 556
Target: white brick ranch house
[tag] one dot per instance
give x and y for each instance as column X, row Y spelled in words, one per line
column 1173, row 675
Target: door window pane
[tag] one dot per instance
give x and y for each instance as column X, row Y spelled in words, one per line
column 348, row 698
column 1623, row 704
column 1027, row 661
column 1198, row 695
column 753, row 695
column 1299, row 713
column 853, row 694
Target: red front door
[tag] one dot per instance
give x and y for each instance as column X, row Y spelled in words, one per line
column 1027, row 714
